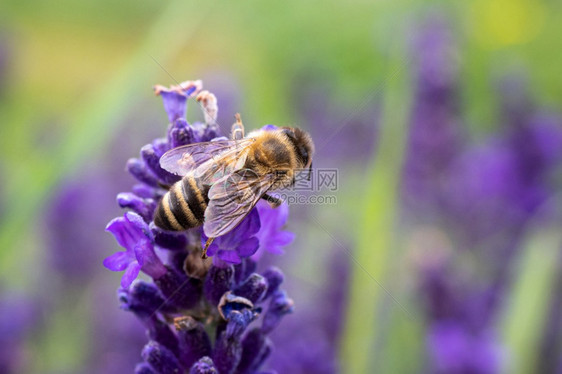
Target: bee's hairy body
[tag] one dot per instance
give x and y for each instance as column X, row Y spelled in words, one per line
column 277, row 152
column 183, row 206
column 272, row 152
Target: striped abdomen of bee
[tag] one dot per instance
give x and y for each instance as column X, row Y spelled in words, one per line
column 183, row 206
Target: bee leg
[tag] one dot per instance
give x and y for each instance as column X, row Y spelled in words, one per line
column 209, row 241
column 208, row 103
column 272, row 200
column 237, row 128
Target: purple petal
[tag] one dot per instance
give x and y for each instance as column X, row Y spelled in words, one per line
column 275, row 249
column 131, row 273
column 212, row 250
column 248, row 247
column 118, row 227
column 252, row 223
column 247, row 228
column 282, row 215
column 283, row 238
column 138, row 224
column 174, row 104
column 230, row 257
column 118, row 261
column 128, row 230
column 148, row 260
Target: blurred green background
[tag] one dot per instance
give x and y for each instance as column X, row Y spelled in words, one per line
column 76, row 100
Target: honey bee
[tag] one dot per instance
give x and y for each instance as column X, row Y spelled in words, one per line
column 224, row 179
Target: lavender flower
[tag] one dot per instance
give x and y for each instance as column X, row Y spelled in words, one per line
column 238, row 243
column 271, row 237
column 200, row 315
column 132, row 233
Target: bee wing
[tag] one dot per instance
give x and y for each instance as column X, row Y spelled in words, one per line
column 183, row 159
column 232, row 198
column 225, row 164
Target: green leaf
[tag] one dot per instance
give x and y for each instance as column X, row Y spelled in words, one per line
column 528, row 300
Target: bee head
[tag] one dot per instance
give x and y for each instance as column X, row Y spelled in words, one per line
column 303, row 144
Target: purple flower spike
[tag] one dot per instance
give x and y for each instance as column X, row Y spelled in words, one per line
column 271, row 236
column 161, row 359
column 228, row 350
column 255, row 349
column 279, row 306
column 204, row 366
column 253, row 288
column 218, row 282
column 237, row 244
column 132, row 233
column 180, row 290
column 189, row 296
column 194, row 343
column 143, row 298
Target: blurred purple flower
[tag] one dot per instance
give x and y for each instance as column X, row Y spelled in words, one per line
column 435, row 138
column 314, row 350
column 17, row 318
column 72, row 211
column 454, row 349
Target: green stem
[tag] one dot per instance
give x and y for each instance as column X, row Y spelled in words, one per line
column 375, row 236
column 526, row 307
